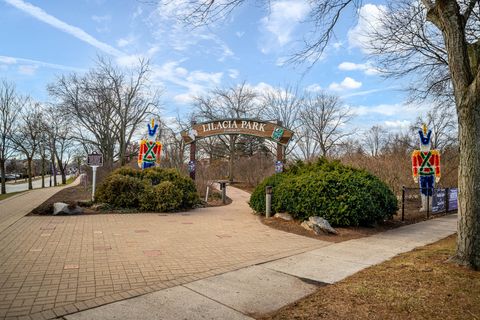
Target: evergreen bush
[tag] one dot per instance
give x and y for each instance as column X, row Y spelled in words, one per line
column 153, row 189
column 343, row 195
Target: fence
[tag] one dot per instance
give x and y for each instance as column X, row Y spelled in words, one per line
column 441, row 200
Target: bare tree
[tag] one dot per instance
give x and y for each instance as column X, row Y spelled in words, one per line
column 284, row 105
column 27, row 138
column 374, row 139
column 107, row 106
column 11, row 105
column 325, row 117
column 235, row 102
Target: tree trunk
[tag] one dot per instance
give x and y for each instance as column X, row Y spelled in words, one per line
column 2, row 176
column 61, row 167
column 43, row 172
column 468, row 240
column 29, row 171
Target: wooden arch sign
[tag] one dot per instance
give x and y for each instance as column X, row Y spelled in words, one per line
column 253, row 127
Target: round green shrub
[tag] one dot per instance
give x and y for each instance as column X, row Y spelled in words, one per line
column 121, row 191
column 162, row 197
column 343, row 195
column 153, row 189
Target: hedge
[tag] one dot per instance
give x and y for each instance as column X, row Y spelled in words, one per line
column 343, row 195
column 153, row 189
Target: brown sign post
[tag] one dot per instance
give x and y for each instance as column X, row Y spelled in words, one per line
column 263, row 129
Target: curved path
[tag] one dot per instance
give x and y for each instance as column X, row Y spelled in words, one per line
column 56, row 265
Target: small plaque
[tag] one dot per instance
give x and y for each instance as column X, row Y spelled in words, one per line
column 95, row 159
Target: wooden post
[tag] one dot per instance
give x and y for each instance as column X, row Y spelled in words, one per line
column 192, row 164
column 280, row 147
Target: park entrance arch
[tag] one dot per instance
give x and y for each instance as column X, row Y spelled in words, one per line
column 273, row 131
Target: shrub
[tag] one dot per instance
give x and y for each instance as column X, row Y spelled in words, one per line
column 343, row 195
column 162, row 197
column 121, row 191
column 153, row 189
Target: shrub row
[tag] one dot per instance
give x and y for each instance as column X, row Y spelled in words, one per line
column 343, row 195
column 153, row 189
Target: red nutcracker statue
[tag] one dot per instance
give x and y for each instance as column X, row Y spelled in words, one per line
column 150, row 148
column 426, row 165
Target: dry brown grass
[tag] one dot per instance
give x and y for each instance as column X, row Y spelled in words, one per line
column 421, row 284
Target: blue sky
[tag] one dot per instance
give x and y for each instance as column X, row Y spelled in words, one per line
column 42, row 39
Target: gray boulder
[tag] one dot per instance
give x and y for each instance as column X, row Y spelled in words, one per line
column 64, row 208
column 284, row 216
column 320, row 225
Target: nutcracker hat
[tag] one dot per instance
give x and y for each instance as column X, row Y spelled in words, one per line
column 152, row 128
column 425, row 135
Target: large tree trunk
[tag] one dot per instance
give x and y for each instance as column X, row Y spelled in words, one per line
column 446, row 15
column 29, row 171
column 2, row 176
column 468, row 240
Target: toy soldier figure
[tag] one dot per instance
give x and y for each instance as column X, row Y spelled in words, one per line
column 150, row 148
column 426, row 165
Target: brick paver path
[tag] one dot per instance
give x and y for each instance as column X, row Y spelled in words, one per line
column 55, row 265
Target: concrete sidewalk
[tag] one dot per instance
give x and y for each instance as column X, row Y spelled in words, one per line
column 266, row 287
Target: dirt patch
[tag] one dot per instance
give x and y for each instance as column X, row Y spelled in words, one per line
column 69, row 195
column 344, row 234
column 78, row 193
column 420, row 284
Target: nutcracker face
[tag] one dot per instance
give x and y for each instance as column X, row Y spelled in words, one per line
column 425, row 138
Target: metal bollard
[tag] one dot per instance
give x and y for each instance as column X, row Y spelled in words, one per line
column 223, row 187
column 268, row 201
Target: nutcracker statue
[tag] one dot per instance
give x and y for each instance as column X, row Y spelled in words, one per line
column 426, row 166
column 150, row 148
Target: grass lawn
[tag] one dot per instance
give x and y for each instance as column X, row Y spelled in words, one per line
column 420, row 284
column 8, row 195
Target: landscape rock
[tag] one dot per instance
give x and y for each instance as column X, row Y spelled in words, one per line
column 64, row 208
column 307, row 225
column 320, row 225
column 284, row 216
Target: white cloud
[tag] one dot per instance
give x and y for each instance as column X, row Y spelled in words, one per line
column 14, row 60
column 102, row 19
column 390, row 110
column 282, row 20
column 123, row 42
column 369, row 17
column 133, row 60
column 398, row 124
column 195, row 82
column 367, row 68
column 239, row 34
column 28, row 70
column 314, row 88
column 171, row 31
column 347, row 84
column 233, row 73
column 43, row 16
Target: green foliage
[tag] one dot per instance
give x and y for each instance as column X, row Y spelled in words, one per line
column 162, row 197
column 121, row 191
column 153, row 189
column 343, row 195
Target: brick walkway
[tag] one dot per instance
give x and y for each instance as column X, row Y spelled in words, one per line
column 52, row 266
